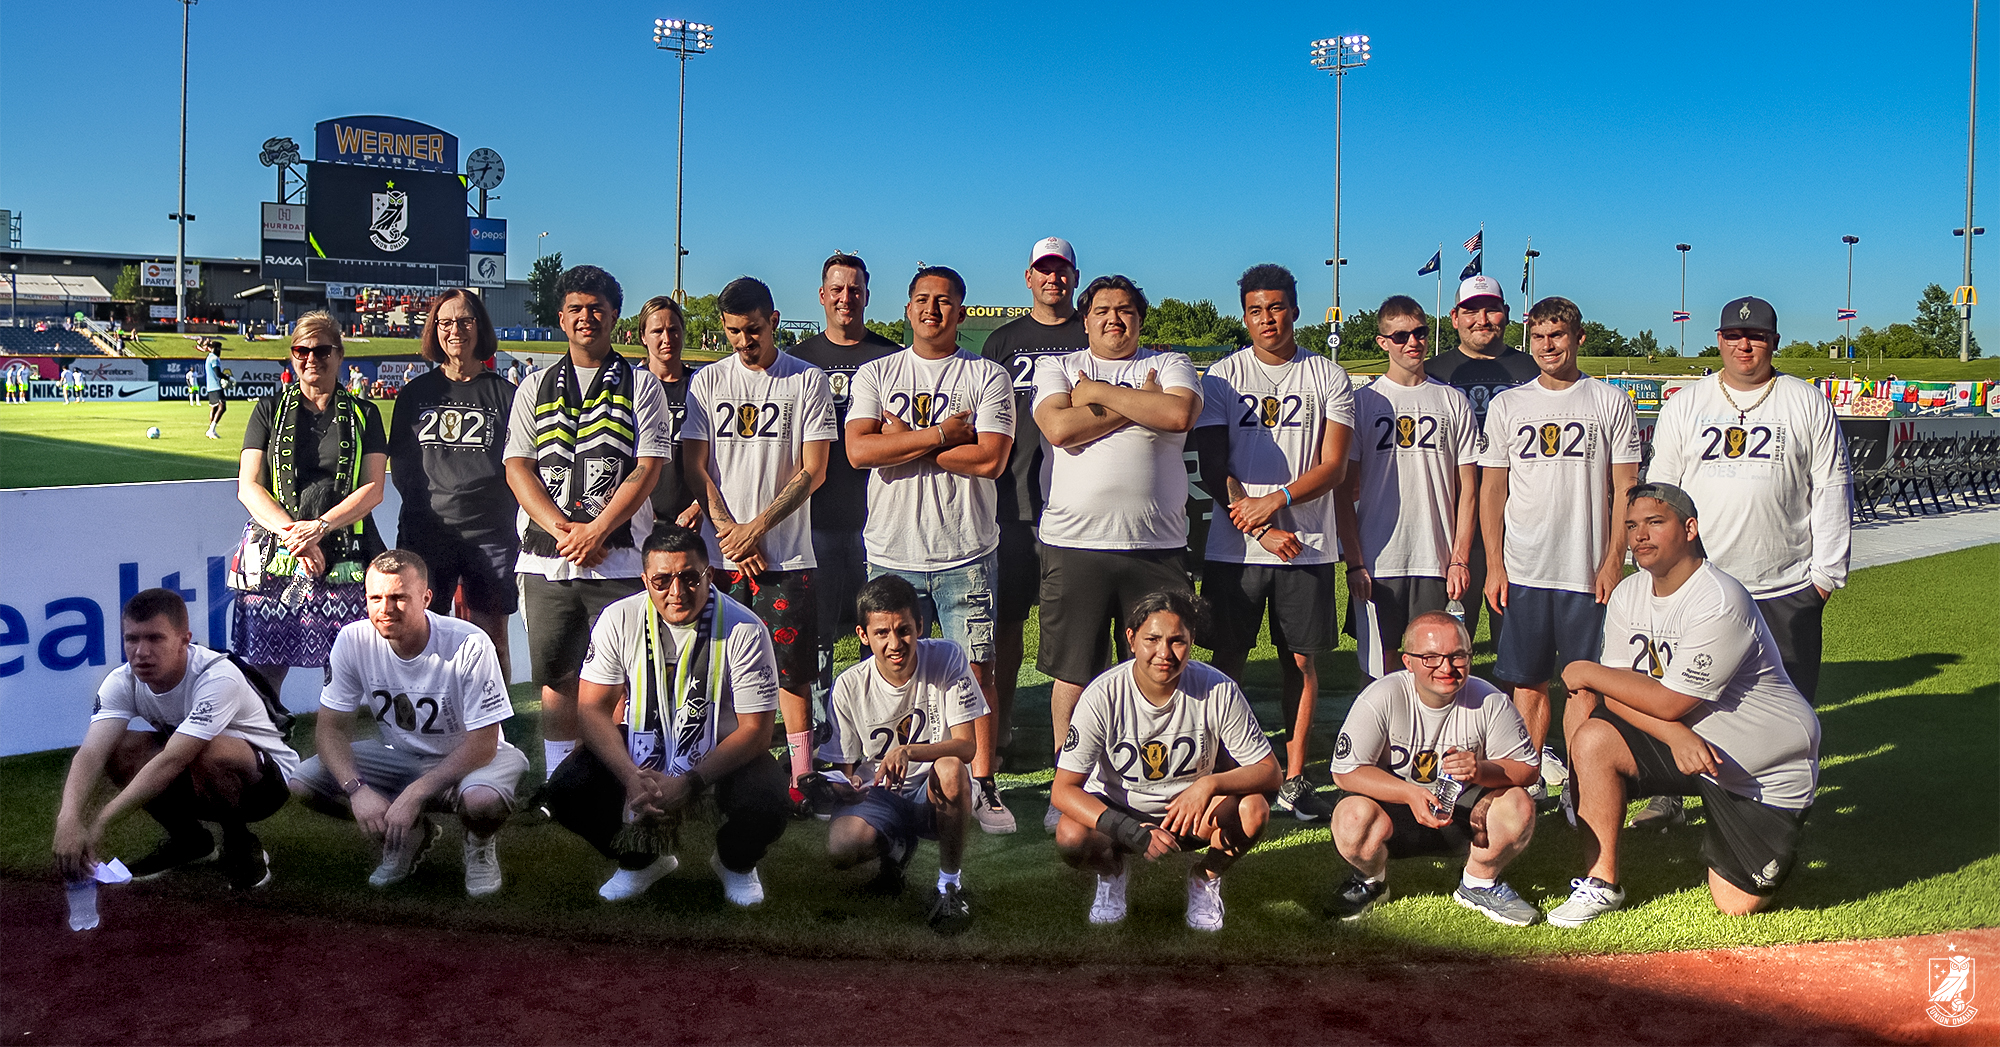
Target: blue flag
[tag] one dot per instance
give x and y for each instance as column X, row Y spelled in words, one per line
column 1472, row 268
column 1432, row 266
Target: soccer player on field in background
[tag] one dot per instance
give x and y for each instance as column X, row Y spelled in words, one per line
column 1434, row 762
column 1561, row 451
column 1050, row 328
column 1764, row 453
column 759, row 425
column 1481, row 366
column 840, row 506
column 434, row 687
column 934, row 425
column 1273, row 438
column 212, row 753
column 1691, row 699
column 902, row 736
column 1115, row 418
column 1138, row 771
column 1412, row 494
column 216, row 384
column 676, row 699
column 586, row 440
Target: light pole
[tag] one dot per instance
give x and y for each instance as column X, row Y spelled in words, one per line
column 1847, row 314
column 538, row 243
column 14, row 294
column 1965, row 293
column 1336, row 56
column 1681, row 315
column 180, row 214
column 684, row 40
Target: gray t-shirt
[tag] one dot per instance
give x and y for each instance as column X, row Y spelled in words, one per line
column 1391, row 728
column 211, row 699
column 1709, row 641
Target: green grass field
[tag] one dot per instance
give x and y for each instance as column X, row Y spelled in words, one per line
column 1905, row 838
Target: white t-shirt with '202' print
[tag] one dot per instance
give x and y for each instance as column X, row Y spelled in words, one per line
column 1558, row 447
column 1409, row 442
column 424, row 705
column 1127, row 489
column 1143, row 755
column 870, row 716
column 1276, row 418
column 756, row 425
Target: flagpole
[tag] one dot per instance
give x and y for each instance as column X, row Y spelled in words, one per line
column 1437, row 301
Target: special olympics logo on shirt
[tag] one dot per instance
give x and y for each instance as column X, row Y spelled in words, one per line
column 1069, row 740
column 1342, row 746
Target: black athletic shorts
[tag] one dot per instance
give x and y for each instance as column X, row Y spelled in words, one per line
column 1085, row 594
column 559, row 617
column 1413, row 839
column 1752, row 845
column 259, row 802
column 1020, row 577
column 787, row 604
column 1300, row 598
column 1186, row 843
column 484, row 565
column 1395, row 601
column 215, row 396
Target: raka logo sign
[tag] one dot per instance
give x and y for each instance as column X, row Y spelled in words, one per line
column 389, row 224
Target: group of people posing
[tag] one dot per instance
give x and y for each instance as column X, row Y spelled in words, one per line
column 687, row 545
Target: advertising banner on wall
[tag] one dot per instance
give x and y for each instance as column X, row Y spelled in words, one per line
column 59, row 612
column 161, row 274
column 284, row 221
column 284, row 260
column 140, row 392
column 486, row 270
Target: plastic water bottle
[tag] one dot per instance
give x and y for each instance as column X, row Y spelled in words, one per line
column 1456, row 610
column 82, row 904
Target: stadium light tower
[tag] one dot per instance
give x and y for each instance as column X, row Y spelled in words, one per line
column 180, row 215
column 684, row 40
column 1681, row 314
column 1337, row 56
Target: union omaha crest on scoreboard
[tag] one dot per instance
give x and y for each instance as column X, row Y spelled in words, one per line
column 388, row 225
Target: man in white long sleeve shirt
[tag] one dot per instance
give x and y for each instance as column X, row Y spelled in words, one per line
column 1763, row 453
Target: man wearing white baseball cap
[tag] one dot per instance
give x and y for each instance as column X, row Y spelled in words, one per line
column 1481, row 366
column 1051, row 328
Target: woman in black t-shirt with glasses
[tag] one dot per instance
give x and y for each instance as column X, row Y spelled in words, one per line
column 445, row 442
column 311, row 472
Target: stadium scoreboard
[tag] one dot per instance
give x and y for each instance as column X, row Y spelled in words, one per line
column 385, row 226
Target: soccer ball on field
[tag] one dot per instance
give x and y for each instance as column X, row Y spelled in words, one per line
column 153, row 433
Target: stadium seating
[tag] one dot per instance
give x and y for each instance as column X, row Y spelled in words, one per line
column 26, row 341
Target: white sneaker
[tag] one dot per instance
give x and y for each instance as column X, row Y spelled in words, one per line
column 1204, row 903
column 1109, row 906
column 1555, row 774
column 1049, row 819
column 398, row 864
column 1589, row 899
column 482, row 865
column 626, row 884
column 742, row 889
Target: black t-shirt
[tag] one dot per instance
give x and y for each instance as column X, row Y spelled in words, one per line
column 1016, row 345
column 841, row 503
column 1482, row 380
column 317, row 473
column 672, row 494
column 446, row 445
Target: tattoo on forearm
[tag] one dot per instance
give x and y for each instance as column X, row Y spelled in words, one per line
column 1236, row 491
column 1097, row 409
column 794, row 495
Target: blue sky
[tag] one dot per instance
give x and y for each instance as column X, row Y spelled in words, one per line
column 1176, row 143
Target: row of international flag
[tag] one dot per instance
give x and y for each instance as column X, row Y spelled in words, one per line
column 1476, row 247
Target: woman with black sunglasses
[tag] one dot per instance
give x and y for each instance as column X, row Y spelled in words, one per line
column 312, row 468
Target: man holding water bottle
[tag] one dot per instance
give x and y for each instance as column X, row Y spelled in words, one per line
column 1434, row 762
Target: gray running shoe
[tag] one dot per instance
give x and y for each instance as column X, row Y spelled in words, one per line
column 399, row 863
column 1589, row 899
column 1498, row 903
column 1660, row 813
column 1298, row 797
column 950, row 914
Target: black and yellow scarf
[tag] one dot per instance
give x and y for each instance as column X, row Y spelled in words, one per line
column 346, row 559
column 585, row 446
column 675, row 702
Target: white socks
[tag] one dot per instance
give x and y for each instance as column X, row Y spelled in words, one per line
column 946, row 879
column 553, row 754
column 1469, row 880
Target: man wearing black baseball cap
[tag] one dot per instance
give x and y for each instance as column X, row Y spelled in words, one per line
column 1764, row 454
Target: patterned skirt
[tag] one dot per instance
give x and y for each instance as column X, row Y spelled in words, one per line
column 292, row 621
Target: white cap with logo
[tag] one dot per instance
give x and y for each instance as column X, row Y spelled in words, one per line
column 1480, row 287
column 1052, row 247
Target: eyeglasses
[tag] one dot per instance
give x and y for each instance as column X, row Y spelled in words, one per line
column 463, row 323
column 318, row 352
column 1432, row 661
column 1421, row 334
column 1737, row 335
column 689, row 581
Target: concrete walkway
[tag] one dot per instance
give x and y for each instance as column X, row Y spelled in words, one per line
column 1894, row 538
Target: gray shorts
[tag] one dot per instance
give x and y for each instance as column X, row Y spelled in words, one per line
column 390, row 771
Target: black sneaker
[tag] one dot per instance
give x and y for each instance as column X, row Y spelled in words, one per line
column 949, row 912
column 888, row 881
column 1298, row 798
column 179, row 849
column 245, row 863
column 1356, row 897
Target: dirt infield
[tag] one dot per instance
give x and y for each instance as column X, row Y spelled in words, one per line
column 173, row 971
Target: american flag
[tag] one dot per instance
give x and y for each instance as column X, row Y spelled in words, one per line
column 1681, row 317
column 1843, row 314
column 1477, row 239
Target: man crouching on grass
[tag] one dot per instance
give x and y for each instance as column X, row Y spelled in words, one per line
column 902, row 732
column 1435, row 762
column 1137, row 773
column 1691, row 700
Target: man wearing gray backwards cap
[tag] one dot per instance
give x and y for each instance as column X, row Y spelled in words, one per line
column 1764, row 452
column 1689, row 699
